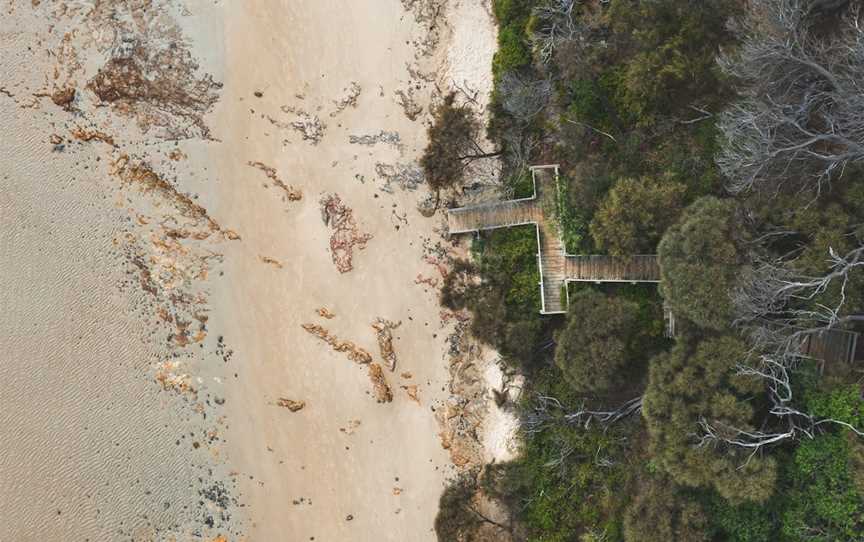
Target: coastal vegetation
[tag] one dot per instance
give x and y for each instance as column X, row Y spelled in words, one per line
column 726, row 137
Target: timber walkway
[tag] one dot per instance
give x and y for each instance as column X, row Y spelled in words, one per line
column 557, row 268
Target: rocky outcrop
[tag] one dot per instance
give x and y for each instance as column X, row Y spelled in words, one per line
column 384, row 330
column 380, row 388
column 354, row 352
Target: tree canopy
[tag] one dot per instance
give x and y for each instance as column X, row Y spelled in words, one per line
column 453, row 144
column 596, row 346
column 693, row 384
column 700, row 259
column 635, row 213
column 659, row 513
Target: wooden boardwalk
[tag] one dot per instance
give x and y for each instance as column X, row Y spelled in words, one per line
column 557, row 268
column 489, row 216
column 830, row 346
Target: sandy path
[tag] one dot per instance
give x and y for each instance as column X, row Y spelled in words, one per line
column 310, row 477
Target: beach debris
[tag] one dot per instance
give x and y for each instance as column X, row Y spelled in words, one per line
column 350, row 94
column 272, row 261
column 92, row 135
column 406, row 375
column 354, row 352
column 170, row 379
column 55, row 139
column 404, row 176
column 345, row 234
column 258, row 94
column 441, row 264
column 324, row 312
column 410, row 107
column 352, row 426
column 290, row 404
column 309, row 126
column 428, row 281
column 140, row 174
column 381, row 390
column 397, row 491
column 177, row 155
column 384, row 330
column 152, row 77
column 389, row 138
column 293, row 194
column 412, row 392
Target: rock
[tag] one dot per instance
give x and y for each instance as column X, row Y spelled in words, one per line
column 292, row 193
column 427, row 206
column 324, row 312
column 63, row 98
column 346, row 235
column 412, row 392
column 383, row 328
column 354, row 352
column 380, row 388
column 290, row 404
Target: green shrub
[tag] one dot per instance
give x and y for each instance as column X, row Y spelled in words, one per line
column 513, row 50
column 700, row 262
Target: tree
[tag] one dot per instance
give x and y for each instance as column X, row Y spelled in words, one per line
column 596, row 348
column 660, row 513
column 673, row 53
column 700, row 259
column 823, row 503
column 800, row 118
column 695, row 384
column 635, row 213
column 555, row 25
column 460, row 516
column 458, row 285
column 453, row 145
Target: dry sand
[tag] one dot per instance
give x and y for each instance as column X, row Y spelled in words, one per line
column 114, row 280
column 345, row 467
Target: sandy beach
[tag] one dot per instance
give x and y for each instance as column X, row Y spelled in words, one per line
column 345, row 467
column 209, row 215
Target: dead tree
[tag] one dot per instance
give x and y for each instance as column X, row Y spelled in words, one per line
column 779, row 307
column 522, row 97
column 548, row 409
column 790, row 422
column 556, row 24
column 802, row 112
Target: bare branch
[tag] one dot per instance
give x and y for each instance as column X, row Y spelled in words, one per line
column 802, row 116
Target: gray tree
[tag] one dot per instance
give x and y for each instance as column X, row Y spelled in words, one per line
column 802, row 115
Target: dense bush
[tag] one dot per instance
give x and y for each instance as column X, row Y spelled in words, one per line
column 696, row 382
column 700, row 260
column 661, row 513
column 599, row 343
column 635, row 213
column 632, row 120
